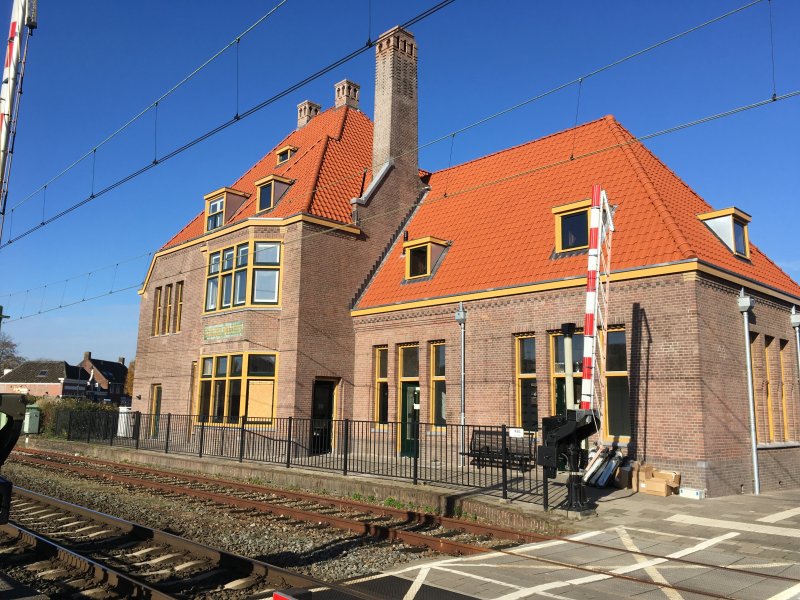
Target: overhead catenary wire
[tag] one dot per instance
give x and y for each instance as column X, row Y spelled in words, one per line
column 346, row 59
column 451, row 195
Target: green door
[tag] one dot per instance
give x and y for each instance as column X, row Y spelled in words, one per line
column 409, row 415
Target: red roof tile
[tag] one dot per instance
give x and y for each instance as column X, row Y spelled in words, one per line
column 496, row 211
column 328, row 169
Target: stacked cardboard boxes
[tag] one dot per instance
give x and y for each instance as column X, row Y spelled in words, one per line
column 658, row 483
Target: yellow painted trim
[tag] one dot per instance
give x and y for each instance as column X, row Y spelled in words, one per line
column 156, row 328
column 565, row 213
column 178, row 306
column 427, row 272
column 554, row 375
column 519, row 376
column 269, row 178
column 291, row 149
column 425, row 240
column 223, row 190
column 756, row 397
column 378, row 380
column 432, row 379
column 768, row 341
column 724, row 212
column 250, row 268
column 746, row 238
column 400, row 380
column 573, row 282
column 572, row 206
column 784, row 408
column 251, row 221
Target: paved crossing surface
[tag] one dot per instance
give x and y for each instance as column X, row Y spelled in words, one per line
column 740, row 547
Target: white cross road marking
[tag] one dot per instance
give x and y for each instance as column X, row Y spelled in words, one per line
column 478, row 577
column 780, row 516
column 657, row 577
column 736, row 525
column 791, row 594
column 624, row 570
column 417, row 584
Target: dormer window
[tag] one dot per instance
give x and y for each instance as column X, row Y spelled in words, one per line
column 422, row 256
column 730, row 226
column 215, row 214
column 270, row 190
column 42, row 373
column 572, row 226
column 285, row 154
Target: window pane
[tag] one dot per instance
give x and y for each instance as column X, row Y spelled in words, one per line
column 383, row 402
column 410, row 367
column 418, row 261
column 211, row 293
column 239, row 287
column 439, row 403
column 616, row 359
column 234, row 400
column 527, row 355
column 227, row 259
column 236, row 365
column 260, row 399
column 214, row 221
column 265, row 196
column 738, row 237
column 261, row 365
column 215, row 206
column 265, row 286
column 575, row 230
column 561, row 398
column 227, row 290
column 213, row 264
column 267, row 253
column 383, row 359
column 222, row 366
column 241, row 255
column 208, row 366
column 438, row 360
column 205, row 399
column 619, row 414
column 218, row 410
column 529, row 407
column 577, row 353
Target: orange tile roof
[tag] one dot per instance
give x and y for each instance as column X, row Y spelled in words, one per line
column 328, row 169
column 496, row 211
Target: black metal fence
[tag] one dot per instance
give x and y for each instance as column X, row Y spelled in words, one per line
column 495, row 459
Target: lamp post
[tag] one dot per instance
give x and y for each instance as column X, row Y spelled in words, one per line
column 461, row 319
column 795, row 319
column 745, row 305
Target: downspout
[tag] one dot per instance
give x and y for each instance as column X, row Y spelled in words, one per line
column 745, row 305
column 795, row 319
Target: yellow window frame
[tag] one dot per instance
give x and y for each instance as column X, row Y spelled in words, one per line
column 251, row 268
column 288, row 150
column 157, row 311
column 401, row 378
column 261, row 183
column 432, row 388
column 167, row 326
column 768, row 341
column 426, row 242
column 377, row 351
column 607, row 435
column 782, row 346
column 209, row 202
column 244, row 389
column 745, row 227
column 178, row 307
column 519, row 376
column 566, row 210
column 553, row 375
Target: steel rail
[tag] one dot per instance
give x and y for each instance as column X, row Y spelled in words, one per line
column 239, row 566
column 478, row 550
column 411, row 516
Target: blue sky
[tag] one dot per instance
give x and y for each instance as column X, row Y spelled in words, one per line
column 93, row 64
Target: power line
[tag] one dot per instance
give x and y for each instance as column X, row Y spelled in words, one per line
column 204, row 136
column 512, row 176
column 577, row 80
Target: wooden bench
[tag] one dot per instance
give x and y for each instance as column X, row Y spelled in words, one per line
column 486, row 449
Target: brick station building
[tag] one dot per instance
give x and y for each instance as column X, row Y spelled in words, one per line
column 323, row 283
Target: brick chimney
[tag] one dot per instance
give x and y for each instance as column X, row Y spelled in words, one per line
column 346, row 93
column 121, row 360
column 87, row 356
column 306, row 111
column 396, row 102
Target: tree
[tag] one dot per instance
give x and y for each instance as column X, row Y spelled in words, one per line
column 9, row 359
column 128, row 389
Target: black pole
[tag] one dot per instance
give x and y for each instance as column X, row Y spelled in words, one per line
column 69, row 426
column 114, row 425
column 241, row 440
column 89, row 427
column 289, row 444
column 415, row 425
column 544, row 489
column 166, row 440
column 202, row 437
column 505, row 462
column 346, row 444
column 137, row 427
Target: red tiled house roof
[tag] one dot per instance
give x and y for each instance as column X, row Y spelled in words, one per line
column 334, row 149
column 496, row 211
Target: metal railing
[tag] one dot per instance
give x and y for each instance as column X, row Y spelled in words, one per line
column 496, row 460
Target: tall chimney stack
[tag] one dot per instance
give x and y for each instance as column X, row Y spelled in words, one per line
column 121, row 360
column 395, row 132
column 346, row 94
column 306, row 111
column 87, row 356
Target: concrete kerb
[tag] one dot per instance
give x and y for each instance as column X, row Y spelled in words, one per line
column 469, row 504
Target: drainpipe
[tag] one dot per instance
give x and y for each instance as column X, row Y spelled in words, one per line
column 461, row 319
column 745, row 305
column 795, row 318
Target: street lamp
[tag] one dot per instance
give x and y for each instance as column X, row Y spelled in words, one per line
column 795, row 320
column 746, row 304
column 461, row 319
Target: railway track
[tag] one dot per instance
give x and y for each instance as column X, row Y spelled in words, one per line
column 373, row 520
column 75, row 550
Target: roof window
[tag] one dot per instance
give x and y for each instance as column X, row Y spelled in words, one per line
column 285, row 154
column 221, row 205
column 730, row 226
column 572, row 226
column 42, row 373
column 214, row 213
column 422, row 255
column 270, row 190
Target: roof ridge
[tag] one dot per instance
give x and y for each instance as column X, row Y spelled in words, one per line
column 655, row 198
column 529, row 142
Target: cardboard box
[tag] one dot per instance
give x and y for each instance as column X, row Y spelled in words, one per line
column 635, row 470
column 673, row 478
column 655, row 487
column 622, row 479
